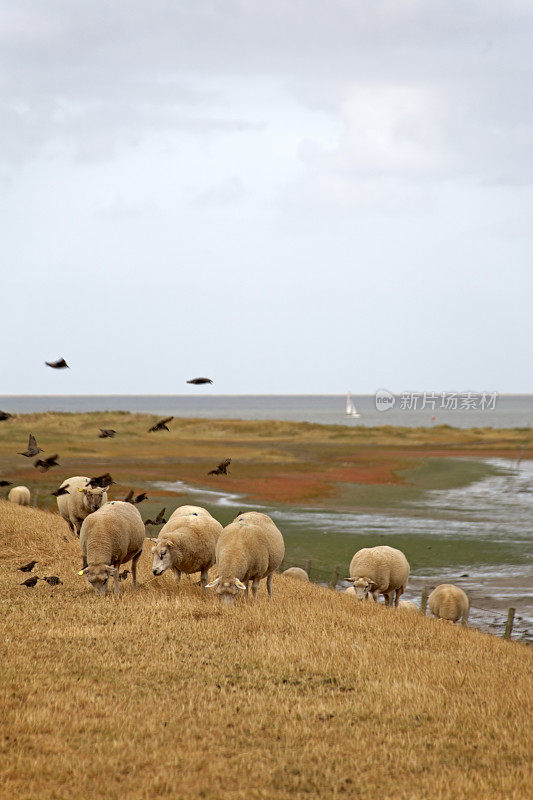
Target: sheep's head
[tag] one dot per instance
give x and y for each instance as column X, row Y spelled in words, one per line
column 227, row 590
column 93, row 498
column 163, row 555
column 98, row 576
column 363, row 587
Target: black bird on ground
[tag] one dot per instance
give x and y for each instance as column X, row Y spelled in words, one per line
column 4, row 415
column 140, row 497
column 52, row 580
column 222, row 468
column 27, row 567
column 106, row 433
column 123, row 575
column 59, row 364
column 200, row 381
column 44, row 464
column 161, row 425
column 129, row 497
column 6, row 483
column 30, row 582
column 60, row 491
column 33, row 448
column 159, row 520
column 101, row 481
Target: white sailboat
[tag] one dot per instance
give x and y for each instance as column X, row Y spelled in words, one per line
column 351, row 410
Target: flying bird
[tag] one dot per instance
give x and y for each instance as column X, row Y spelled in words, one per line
column 44, row 464
column 60, row 491
column 59, row 364
column 129, row 497
column 159, row 520
column 33, row 448
column 27, row 567
column 101, row 481
column 161, row 425
column 222, row 468
column 52, row 580
column 140, row 497
column 200, row 381
column 30, row 582
column 106, row 433
column 4, row 415
column 6, row 483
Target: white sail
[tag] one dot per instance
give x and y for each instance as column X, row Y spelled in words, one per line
column 351, row 410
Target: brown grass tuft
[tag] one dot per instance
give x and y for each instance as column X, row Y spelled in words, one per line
column 162, row 693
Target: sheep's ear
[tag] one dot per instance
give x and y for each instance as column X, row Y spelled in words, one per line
column 370, row 583
column 83, row 571
column 350, row 580
column 239, row 584
column 213, row 584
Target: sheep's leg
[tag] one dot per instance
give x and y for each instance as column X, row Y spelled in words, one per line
column 177, row 574
column 204, row 578
column 374, row 596
column 269, row 585
column 117, row 580
column 246, row 592
column 399, row 593
column 84, row 562
column 134, row 568
column 388, row 598
column 255, row 587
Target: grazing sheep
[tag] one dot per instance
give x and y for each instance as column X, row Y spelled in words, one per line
column 407, row 605
column 249, row 549
column 186, row 543
column 80, row 501
column 19, row 495
column 296, row 572
column 379, row 570
column 351, row 591
column 448, row 602
column 110, row 537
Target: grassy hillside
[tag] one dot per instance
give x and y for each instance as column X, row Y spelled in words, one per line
column 162, row 693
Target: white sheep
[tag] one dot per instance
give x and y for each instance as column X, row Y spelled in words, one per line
column 350, row 591
column 448, row 602
column 249, row 549
column 80, row 501
column 379, row 570
column 296, row 572
column 20, row 495
column 110, row 537
column 186, row 543
column 407, row 605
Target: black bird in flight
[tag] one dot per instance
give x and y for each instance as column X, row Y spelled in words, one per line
column 30, row 582
column 33, row 448
column 52, row 580
column 129, row 497
column 200, row 381
column 6, row 483
column 44, row 464
column 60, row 491
column 140, row 497
column 4, row 415
column 59, row 364
column 106, row 433
column 222, row 468
column 161, row 425
column 101, row 481
column 159, row 520
column 27, row 567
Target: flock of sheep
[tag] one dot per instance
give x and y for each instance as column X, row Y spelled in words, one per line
column 249, row 549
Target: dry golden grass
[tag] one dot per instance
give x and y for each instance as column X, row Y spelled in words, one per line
column 163, row 694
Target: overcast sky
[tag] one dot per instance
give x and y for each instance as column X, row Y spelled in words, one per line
column 288, row 197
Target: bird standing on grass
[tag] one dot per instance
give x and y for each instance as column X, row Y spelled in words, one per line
column 59, row 364
column 33, row 448
column 30, row 582
column 4, row 415
column 6, row 483
column 106, row 433
column 44, row 464
column 27, row 567
column 52, row 580
column 161, row 425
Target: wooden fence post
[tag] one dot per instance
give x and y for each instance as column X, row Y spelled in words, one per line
column 334, row 577
column 424, row 600
column 308, row 567
column 509, row 625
